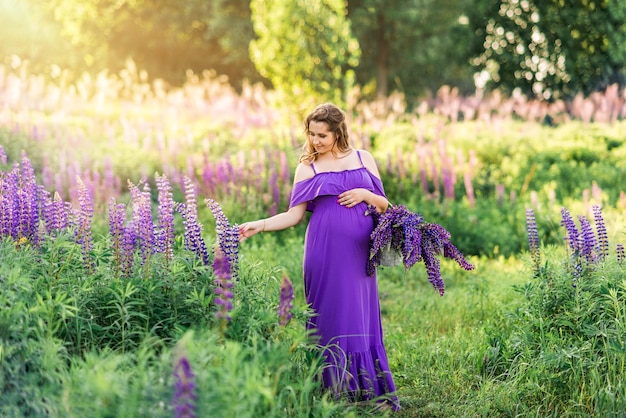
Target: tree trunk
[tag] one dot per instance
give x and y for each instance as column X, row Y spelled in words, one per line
column 382, row 71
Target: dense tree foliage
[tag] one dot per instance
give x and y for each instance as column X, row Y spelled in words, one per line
column 552, row 48
column 412, row 45
column 548, row 49
column 305, row 48
column 26, row 36
column 165, row 37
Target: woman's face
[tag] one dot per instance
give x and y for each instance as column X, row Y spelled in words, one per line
column 321, row 138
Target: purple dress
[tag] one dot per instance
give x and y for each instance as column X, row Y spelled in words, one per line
column 337, row 287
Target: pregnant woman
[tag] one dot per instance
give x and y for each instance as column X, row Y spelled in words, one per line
column 338, row 184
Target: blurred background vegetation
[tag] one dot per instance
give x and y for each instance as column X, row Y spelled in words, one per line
column 540, row 49
column 476, row 110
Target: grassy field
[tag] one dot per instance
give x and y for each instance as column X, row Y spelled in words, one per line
column 86, row 332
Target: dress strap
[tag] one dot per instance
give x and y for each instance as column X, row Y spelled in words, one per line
column 313, row 167
column 360, row 159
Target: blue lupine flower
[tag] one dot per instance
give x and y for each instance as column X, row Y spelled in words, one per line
column 8, row 198
column 117, row 217
column 227, row 237
column 28, row 202
column 192, row 228
column 10, row 192
column 223, row 284
column 166, row 234
column 620, row 253
column 286, row 301
column 603, row 239
column 587, row 240
column 433, row 267
column 47, row 211
column 533, row 239
column 129, row 241
column 184, row 400
column 85, row 218
column 142, row 219
column 577, row 273
column 572, row 236
column 55, row 212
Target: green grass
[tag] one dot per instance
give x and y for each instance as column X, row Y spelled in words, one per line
column 501, row 342
column 437, row 344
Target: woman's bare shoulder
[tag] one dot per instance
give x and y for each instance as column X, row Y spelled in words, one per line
column 303, row 171
column 365, row 153
column 369, row 162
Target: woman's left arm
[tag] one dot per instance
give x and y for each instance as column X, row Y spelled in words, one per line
column 353, row 197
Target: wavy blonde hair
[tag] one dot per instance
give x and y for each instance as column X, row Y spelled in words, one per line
column 335, row 118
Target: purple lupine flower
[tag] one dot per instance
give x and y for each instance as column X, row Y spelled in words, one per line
column 142, row 219
column 55, row 212
column 28, row 195
column 117, row 217
column 146, row 226
column 129, row 242
column 47, row 211
column 223, row 284
column 450, row 251
column 85, row 218
column 577, row 273
column 603, row 239
column 587, row 240
column 416, row 240
column 184, row 399
column 3, row 156
column 192, row 228
column 227, row 237
column 166, row 235
column 286, row 301
column 411, row 248
column 533, row 239
column 11, row 195
column 6, row 205
column 65, row 211
column 620, row 253
column 572, row 235
column 433, row 268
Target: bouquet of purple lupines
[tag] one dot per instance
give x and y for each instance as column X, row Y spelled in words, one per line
column 407, row 233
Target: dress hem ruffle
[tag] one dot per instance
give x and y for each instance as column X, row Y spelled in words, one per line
column 360, row 376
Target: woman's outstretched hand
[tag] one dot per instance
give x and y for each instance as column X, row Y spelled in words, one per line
column 248, row 229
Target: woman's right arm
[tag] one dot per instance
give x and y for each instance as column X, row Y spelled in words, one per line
column 277, row 222
column 282, row 220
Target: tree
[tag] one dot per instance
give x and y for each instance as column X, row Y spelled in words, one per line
column 412, row 46
column 164, row 37
column 553, row 48
column 28, row 37
column 305, row 48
